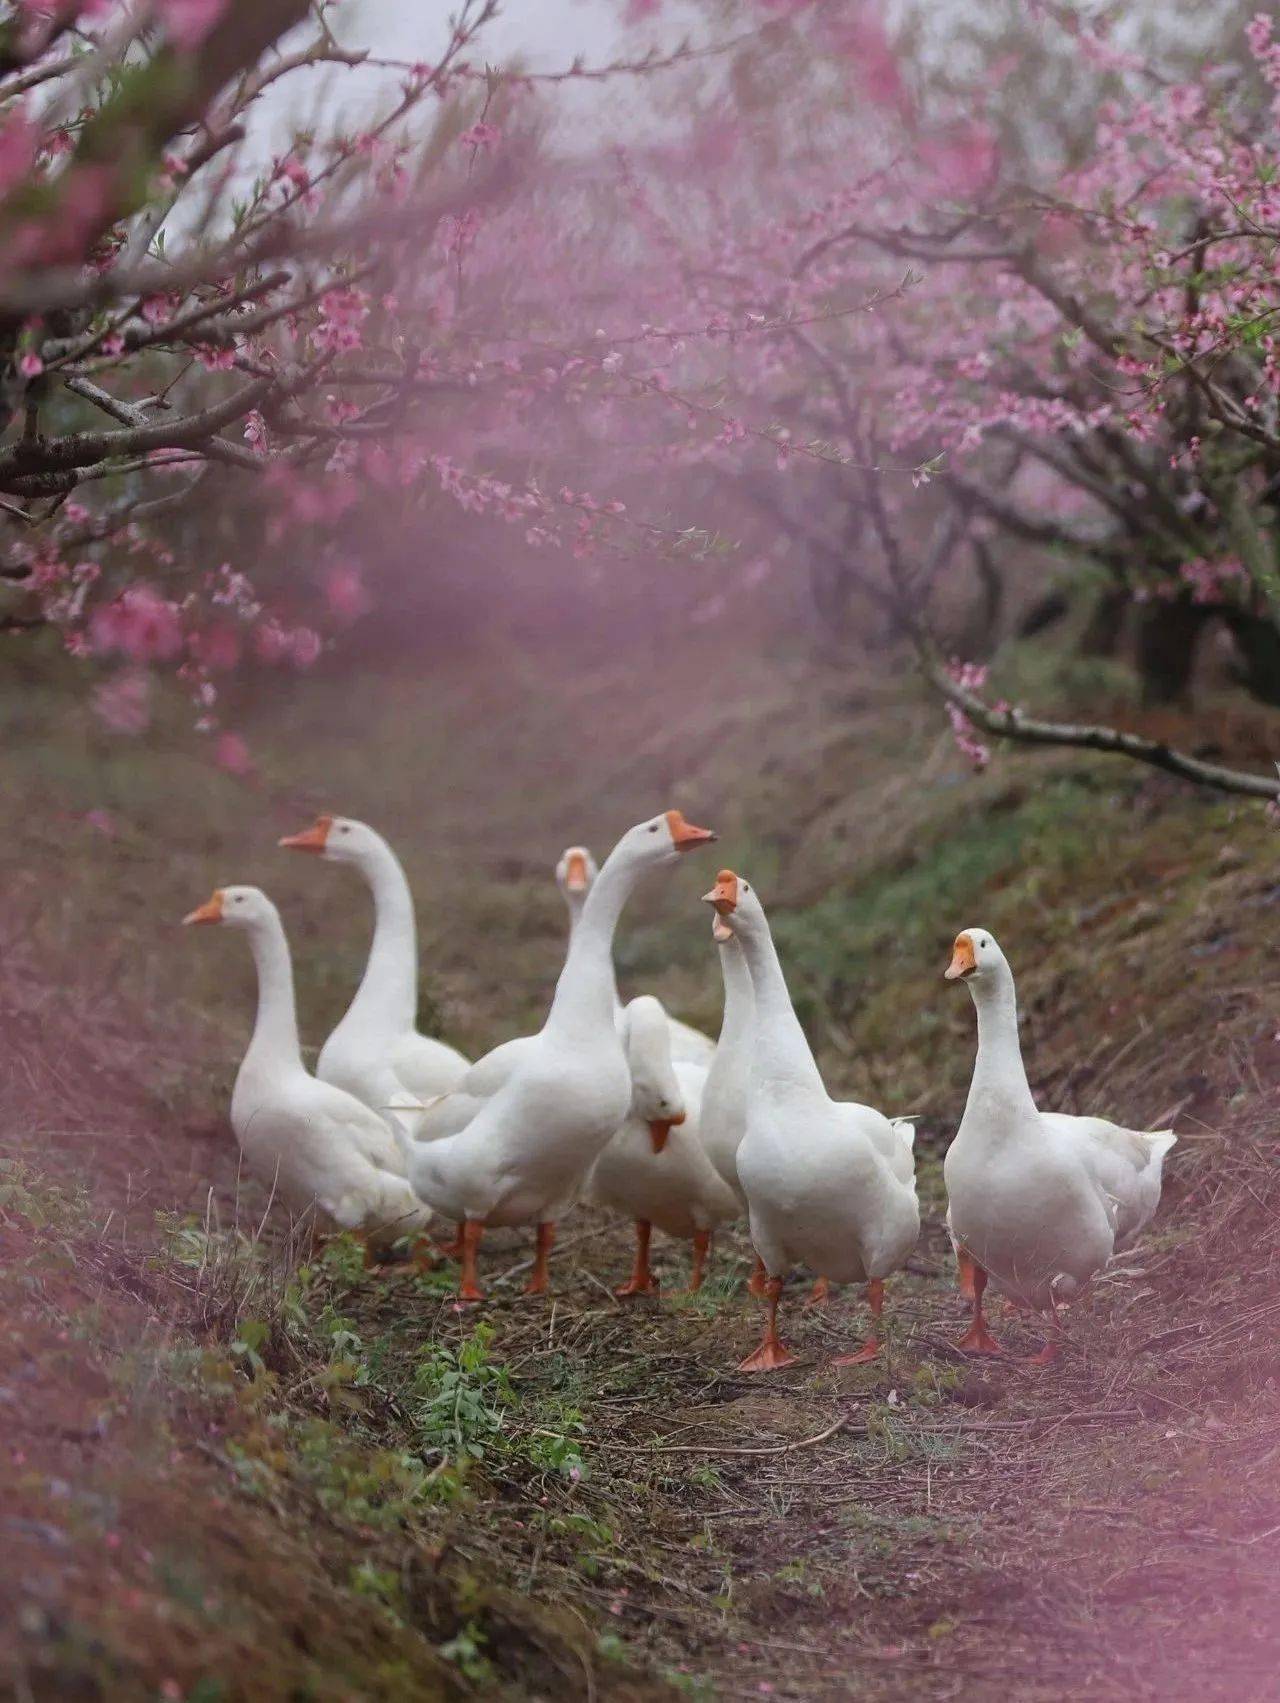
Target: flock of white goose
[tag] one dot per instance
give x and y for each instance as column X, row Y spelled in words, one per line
column 626, row 1106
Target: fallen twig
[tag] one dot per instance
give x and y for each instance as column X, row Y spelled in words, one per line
column 724, row 1448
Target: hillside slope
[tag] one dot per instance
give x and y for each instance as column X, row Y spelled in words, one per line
column 233, row 1473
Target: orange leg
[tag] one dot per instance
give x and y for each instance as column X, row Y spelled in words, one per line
column 452, row 1250
column 871, row 1347
column 468, row 1288
column 538, row 1280
column 701, row 1248
column 758, row 1278
column 642, row 1281
column 978, row 1339
column 772, row 1353
column 820, row 1294
column 964, row 1273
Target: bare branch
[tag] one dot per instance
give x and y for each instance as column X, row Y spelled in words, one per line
column 1012, row 724
column 22, row 464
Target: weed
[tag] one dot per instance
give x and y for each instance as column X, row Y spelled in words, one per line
column 554, row 1447
column 466, row 1651
column 380, row 1583
column 460, row 1397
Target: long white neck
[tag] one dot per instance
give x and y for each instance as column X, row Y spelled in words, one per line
column 739, row 1004
column 780, row 1050
column 999, row 1075
column 387, row 997
column 587, row 993
column 732, row 1049
column 575, row 903
column 275, row 1031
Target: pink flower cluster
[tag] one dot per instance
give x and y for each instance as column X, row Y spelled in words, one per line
column 140, row 624
column 972, row 676
column 342, row 316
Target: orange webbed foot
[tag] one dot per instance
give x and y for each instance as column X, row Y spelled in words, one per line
column 637, row 1286
column 863, row 1357
column 1047, row 1356
column 978, row 1340
column 820, row 1294
column 769, row 1357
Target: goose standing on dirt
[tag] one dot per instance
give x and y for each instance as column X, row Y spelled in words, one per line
column 523, row 1154
column 312, row 1144
column 829, row 1184
column 376, row 1052
column 1039, row 1201
column 656, row 1169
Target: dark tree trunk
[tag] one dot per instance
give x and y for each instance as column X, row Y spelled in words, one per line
column 1106, row 624
column 1257, row 642
column 1168, row 637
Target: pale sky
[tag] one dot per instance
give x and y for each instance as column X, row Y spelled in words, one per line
column 540, row 35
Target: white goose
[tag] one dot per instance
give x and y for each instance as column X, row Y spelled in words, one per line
column 1037, row 1200
column 724, row 1094
column 688, row 1045
column 376, row 1052
column 523, row 1154
column 829, row 1184
column 311, row 1143
column 656, row 1169
column 452, row 1111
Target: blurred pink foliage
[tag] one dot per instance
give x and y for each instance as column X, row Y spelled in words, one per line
column 123, row 702
column 797, row 290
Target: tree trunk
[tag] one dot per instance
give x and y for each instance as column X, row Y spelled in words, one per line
column 1168, row 637
column 1106, row 624
column 1257, row 642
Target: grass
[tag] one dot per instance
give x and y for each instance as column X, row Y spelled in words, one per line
column 234, row 1469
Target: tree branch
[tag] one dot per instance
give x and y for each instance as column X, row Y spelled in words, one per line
column 1013, row 724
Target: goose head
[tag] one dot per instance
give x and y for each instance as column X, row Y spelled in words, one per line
column 976, row 958
column 737, row 907
column 240, row 907
column 575, row 874
column 660, row 840
column 656, row 1098
column 340, row 839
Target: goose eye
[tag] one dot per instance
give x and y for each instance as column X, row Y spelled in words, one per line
column 653, row 827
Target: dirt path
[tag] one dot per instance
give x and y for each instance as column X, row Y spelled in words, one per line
column 626, row 1504
column 223, row 1478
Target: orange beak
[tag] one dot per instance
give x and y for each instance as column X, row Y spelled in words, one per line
column 684, row 836
column 660, row 1129
column 724, row 896
column 575, row 872
column 313, row 839
column 210, row 911
column 963, row 962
